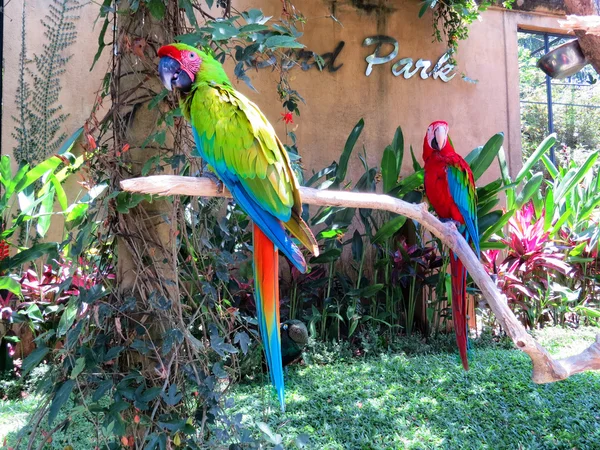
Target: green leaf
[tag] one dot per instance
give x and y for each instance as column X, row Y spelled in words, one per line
column 389, row 169
column 60, row 398
column 530, row 188
column 342, row 167
column 253, row 28
column 34, row 252
column 279, row 41
column 565, row 189
column 101, row 43
column 222, row 31
column 102, row 389
column 488, row 220
column 416, row 166
column 157, row 99
column 549, row 208
column 157, row 9
column 79, row 366
column 388, row 229
column 189, row 12
column 510, row 194
column 67, row 146
column 357, row 246
column 10, row 285
column 487, row 155
column 37, row 172
column 398, row 147
column 67, row 319
column 34, row 358
column 550, row 167
column 61, row 195
column 498, row 225
column 150, row 394
column 408, row 184
column 535, row 157
column 333, row 254
column 45, row 212
column 369, row 291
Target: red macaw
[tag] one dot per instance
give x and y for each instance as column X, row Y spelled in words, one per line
column 450, row 188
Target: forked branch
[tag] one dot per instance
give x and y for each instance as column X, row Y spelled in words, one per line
column 546, row 369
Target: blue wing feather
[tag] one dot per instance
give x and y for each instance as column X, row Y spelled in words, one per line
column 459, row 189
column 268, row 223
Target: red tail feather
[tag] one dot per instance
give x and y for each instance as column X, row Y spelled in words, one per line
column 459, row 306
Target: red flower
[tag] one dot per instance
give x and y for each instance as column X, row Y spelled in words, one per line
column 287, row 117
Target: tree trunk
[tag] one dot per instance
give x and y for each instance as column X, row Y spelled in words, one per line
column 590, row 44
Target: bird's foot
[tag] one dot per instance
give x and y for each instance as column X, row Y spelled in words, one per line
column 456, row 223
column 215, row 179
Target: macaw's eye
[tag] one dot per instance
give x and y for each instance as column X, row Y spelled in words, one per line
column 192, row 56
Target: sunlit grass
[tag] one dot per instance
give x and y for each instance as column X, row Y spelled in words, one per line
column 428, row 401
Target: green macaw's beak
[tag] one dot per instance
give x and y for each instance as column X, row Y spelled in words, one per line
column 172, row 75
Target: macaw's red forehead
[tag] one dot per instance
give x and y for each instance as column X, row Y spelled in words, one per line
column 170, row 50
column 438, row 123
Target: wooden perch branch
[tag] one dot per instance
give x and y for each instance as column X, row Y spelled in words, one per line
column 545, row 368
column 589, row 24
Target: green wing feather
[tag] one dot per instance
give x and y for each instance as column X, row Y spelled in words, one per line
column 236, row 135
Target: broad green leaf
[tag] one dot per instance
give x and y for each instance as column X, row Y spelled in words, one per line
column 549, row 208
column 560, row 222
column 398, row 147
column 487, row 220
column 535, row 157
column 529, row 189
column 61, row 195
column 416, row 166
column 357, row 246
column 38, row 171
column 34, row 358
column 10, row 285
column 408, row 184
column 583, row 170
column 157, row 9
column 550, row 167
column 388, row 229
column 279, row 41
column 34, row 252
column 497, row 226
column 510, row 193
column 189, row 12
column 487, row 155
column 67, row 146
column 45, row 212
column 369, row 291
column 342, row 168
column 157, row 99
column 60, row 398
column 389, row 169
column 331, row 255
column 101, row 43
column 67, row 319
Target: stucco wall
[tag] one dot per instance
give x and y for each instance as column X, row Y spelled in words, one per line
column 335, row 101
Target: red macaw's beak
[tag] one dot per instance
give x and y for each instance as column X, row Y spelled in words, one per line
column 441, row 135
column 171, row 74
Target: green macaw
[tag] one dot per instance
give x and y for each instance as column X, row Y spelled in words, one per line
column 241, row 147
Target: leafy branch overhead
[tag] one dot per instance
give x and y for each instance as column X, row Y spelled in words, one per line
column 452, row 18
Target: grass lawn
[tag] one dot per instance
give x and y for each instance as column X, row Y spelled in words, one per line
column 428, row 401
column 400, row 402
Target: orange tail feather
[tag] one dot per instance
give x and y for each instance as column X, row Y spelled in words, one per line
column 266, row 280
